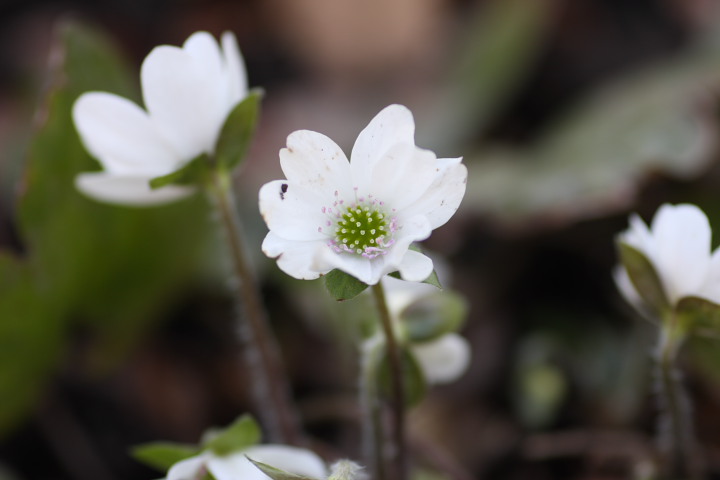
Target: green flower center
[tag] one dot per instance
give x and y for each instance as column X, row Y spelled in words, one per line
column 363, row 228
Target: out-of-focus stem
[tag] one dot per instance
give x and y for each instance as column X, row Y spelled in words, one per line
column 270, row 388
column 373, row 432
column 397, row 401
column 676, row 439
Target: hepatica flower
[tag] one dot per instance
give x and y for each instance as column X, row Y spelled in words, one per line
column 677, row 246
column 188, row 92
column 236, row 466
column 359, row 216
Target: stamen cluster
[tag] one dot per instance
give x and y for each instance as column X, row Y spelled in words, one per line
column 363, row 228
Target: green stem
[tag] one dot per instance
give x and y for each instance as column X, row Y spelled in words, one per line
column 270, row 388
column 373, row 433
column 397, row 401
column 674, row 423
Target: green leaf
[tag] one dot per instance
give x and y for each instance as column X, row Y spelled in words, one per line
column 238, row 130
column 30, row 340
column 433, row 316
column 343, row 286
column 241, row 434
column 644, row 277
column 192, row 173
column 163, row 455
column 414, row 384
column 109, row 271
column 699, row 315
column 276, row 473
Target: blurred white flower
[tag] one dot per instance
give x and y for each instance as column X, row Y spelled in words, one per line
column 236, row 466
column 678, row 246
column 442, row 360
column 188, row 93
column 359, row 216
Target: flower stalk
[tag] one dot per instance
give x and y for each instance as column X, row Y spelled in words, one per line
column 397, row 392
column 675, row 432
column 373, row 433
column 270, row 388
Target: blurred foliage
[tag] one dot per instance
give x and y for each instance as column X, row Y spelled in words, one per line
column 433, row 315
column 502, row 43
column 240, row 435
column 591, row 160
column 100, row 269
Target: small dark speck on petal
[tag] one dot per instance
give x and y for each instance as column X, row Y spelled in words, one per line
column 283, row 190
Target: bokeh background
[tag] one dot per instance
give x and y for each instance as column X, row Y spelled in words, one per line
column 116, row 326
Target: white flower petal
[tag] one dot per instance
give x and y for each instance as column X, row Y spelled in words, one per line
column 234, row 68
column 415, row 267
column 403, row 174
column 293, row 212
column 445, row 359
column 316, row 162
column 442, row 198
column 205, row 51
column 234, row 467
column 681, row 234
column 639, row 236
column 187, row 469
column 187, row 103
column 394, row 124
column 291, row 459
column 121, row 136
column 293, row 257
column 711, row 286
column 366, row 270
column 127, row 189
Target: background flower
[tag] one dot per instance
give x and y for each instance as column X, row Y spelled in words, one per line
column 360, row 216
column 237, row 466
column 188, row 93
column 678, row 247
column 443, row 359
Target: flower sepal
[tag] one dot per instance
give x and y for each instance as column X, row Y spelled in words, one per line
column 238, row 130
column 244, row 432
column 645, row 279
column 230, row 149
column 343, row 286
column 163, row 455
column 276, row 473
column 195, row 172
column 432, row 316
column 699, row 316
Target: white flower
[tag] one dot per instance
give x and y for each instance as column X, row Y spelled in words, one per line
column 188, row 93
column 359, row 216
column 678, row 246
column 443, row 360
column 236, row 466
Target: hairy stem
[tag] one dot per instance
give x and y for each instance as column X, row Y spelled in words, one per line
column 397, row 401
column 373, row 433
column 270, row 388
column 675, row 435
